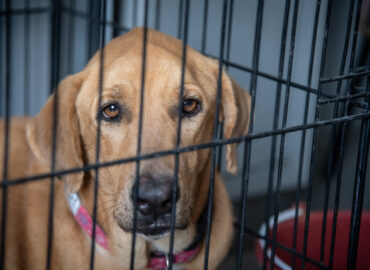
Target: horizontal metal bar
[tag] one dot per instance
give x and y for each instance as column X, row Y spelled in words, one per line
column 345, row 77
column 267, row 75
column 343, row 98
column 284, row 81
column 22, row 11
column 191, row 148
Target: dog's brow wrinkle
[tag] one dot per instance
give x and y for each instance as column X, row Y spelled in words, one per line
column 117, row 88
column 111, row 94
column 173, row 111
column 126, row 112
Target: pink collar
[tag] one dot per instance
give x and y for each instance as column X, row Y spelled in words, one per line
column 84, row 219
column 160, row 260
column 157, row 260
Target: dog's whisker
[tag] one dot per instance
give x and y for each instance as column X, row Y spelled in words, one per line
column 107, row 208
column 108, row 201
column 107, row 205
column 106, row 194
column 102, row 192
column 106, row 218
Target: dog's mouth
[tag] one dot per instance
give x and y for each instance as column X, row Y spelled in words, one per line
column 158, row 227
column 152, row 225
column 149, row 228
column 153, row 230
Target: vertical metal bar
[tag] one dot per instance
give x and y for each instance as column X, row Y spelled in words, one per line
column 303, row 138
column 248, row 143
column 342, row 135
column 336, row 200
column 26, row 81
column 220, row 136
column 117, row 9
column 179, row 23
column 134, row 11
column 275, row 124
column 353, row 51
column 2, row 54
column 215, row 129
column 282, row 138
column 90, row 49
column 158, row 15
column 333, row 134
column 314, row 139
column 178, row 141
column 4, row 207
column 361, row 166
column 359, row 189
column 244, row 194
column 55, row 18
column 227, row 57
column 229, row 30
column 137, row 182
column 339, row 87
column 205, row 23
column 71, row 35
column 102, row 16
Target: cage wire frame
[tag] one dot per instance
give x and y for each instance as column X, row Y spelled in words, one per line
column 97, row 16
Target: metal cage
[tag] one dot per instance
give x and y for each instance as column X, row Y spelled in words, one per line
column 305, row 64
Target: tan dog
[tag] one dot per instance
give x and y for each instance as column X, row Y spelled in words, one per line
column 78, row 96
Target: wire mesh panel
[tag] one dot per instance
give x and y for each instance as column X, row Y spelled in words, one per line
column 298, row 188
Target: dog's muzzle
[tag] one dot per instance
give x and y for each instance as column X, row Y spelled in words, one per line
column 154, row 204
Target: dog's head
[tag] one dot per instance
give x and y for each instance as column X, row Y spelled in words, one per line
column 79, row 112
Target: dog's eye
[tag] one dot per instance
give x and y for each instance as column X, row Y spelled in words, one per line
column 190, row 107
column 110, row 112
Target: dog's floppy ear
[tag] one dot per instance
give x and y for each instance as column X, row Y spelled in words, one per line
column 68, row 145
column 235, row 109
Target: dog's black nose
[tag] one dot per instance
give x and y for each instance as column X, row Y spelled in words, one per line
column 154, row 196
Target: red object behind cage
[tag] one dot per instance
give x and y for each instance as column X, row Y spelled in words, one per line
column 285, row 231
